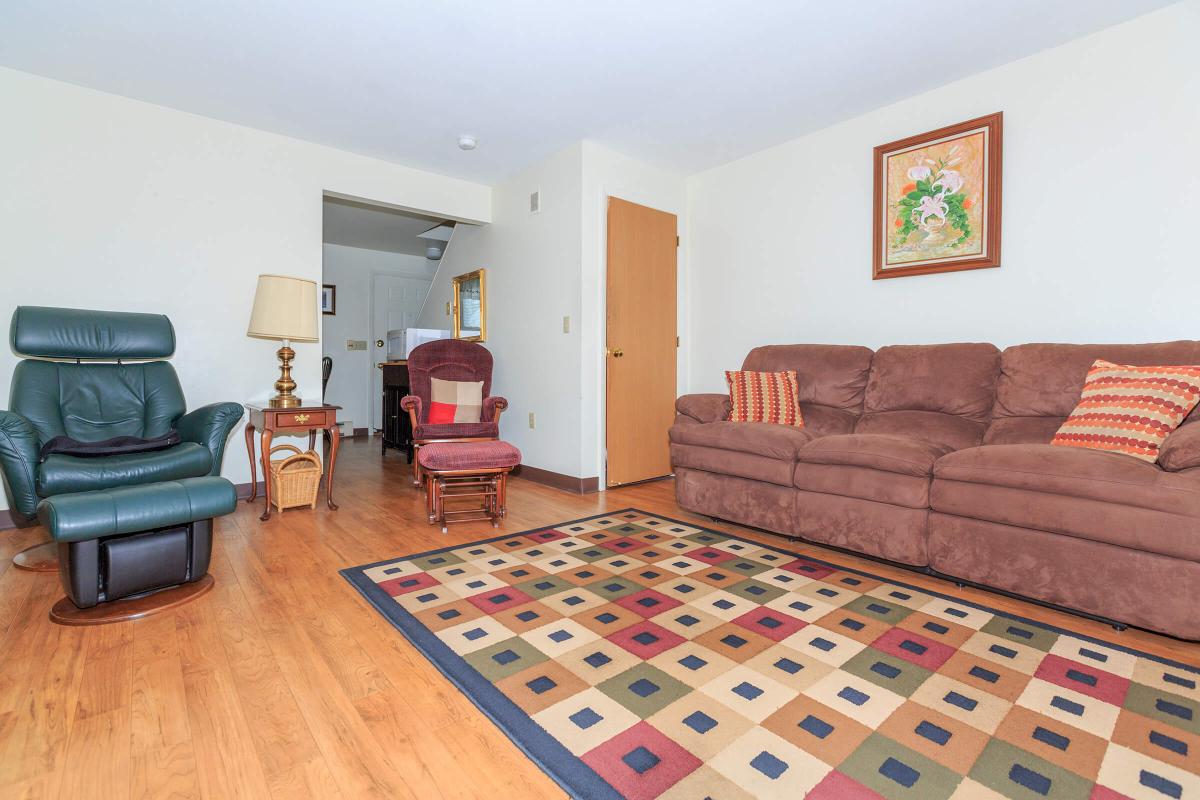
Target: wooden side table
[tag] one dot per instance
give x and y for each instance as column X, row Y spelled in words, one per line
column 290, row 420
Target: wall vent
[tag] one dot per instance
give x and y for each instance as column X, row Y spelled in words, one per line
column 535, row 201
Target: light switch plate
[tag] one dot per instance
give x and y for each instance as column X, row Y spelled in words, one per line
column 356, row 344
column 566, row 324
column 531, row 420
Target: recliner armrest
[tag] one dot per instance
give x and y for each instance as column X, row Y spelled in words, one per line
column 492, row 406
column 1181, row 449
column 704, row 407
column 19, row 447
column 412, row 404
column 210, row 426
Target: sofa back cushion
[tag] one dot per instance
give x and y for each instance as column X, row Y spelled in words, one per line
column 830, row 378
column 1040, row 384
column 832, row 375
column 939, row 392
column 955, row 379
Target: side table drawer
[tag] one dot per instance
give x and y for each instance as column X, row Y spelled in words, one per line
column 301, row 419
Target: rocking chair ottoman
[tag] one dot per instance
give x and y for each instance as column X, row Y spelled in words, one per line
column 467, row 469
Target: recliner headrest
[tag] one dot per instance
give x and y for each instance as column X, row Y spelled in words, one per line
column 44, row 332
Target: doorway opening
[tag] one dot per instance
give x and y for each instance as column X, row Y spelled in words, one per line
column 378, row 264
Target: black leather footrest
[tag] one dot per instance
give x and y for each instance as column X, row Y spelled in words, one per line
column 144, row 561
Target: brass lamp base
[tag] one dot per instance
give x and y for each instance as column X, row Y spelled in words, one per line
column 285, row 385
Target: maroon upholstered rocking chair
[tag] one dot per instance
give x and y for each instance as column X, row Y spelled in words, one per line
column 449, row 360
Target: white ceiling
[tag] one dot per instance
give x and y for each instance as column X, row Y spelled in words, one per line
column 685, row 84
column 374, row 228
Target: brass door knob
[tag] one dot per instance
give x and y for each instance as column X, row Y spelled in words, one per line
column 618, row 353
column 379, row 342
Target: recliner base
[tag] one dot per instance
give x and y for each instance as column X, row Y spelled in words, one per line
column 66, row 612
column 112, row 568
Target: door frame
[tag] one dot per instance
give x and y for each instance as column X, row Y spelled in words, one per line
column 639, row 198
column 371, row 368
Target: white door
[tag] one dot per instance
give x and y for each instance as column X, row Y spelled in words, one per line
column 396, row 303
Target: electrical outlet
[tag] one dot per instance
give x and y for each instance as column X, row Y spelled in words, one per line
column 447, row 308
column 566, row 324
column 531, row 420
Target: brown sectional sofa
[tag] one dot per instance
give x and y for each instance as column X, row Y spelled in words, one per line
column 938, row 457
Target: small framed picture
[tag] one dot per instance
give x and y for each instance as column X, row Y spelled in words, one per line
column 328, row 299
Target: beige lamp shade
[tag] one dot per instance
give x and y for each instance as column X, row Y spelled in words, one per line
column 284, row 308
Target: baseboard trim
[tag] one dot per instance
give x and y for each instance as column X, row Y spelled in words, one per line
column 556, row 480
column 8, row 519
column 243, row 489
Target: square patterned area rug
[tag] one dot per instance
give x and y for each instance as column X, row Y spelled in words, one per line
column 631, row 655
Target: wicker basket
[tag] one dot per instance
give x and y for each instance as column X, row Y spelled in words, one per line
column 295, row 479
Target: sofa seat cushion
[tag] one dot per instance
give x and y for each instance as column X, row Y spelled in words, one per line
column 947, row 430
column 902, row 455
column 1090, row 494
column 882, row 469
column 755, row 450
column 60, row 474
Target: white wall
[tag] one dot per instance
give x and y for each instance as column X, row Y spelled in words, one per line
column 1101, row 203
column 350, row 269
column 533, row 281
column 116, row 204
column 542, row 267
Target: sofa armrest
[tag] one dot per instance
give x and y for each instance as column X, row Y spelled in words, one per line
column 704, row 407
column 1181, row 449
column 210, row 426
column 412, row 404
column 19, row 448
column 492, row 406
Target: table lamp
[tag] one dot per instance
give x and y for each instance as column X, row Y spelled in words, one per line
column 284, row 308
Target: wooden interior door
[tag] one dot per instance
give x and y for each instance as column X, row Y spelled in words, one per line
column 641, row 341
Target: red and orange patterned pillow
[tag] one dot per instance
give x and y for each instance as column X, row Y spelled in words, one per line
column 1130, row 410
column 454, row 401
column 764, row 397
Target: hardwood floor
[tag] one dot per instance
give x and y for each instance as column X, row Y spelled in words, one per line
column 282, row 682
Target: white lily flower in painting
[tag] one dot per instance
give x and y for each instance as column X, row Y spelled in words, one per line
column 931, row 206
column 919, row 173
column 950, row 181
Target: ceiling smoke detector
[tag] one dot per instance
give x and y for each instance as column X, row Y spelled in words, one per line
column 467, row 143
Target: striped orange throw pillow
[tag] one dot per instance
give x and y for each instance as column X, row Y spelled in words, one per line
column 764, row 397
column 1130, row 410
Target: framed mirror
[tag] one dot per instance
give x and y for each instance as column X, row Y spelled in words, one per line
column 470, row 307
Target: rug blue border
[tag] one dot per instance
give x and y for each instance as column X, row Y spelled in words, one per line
column 567, row 769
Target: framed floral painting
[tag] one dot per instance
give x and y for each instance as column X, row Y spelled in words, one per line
column 937, row 200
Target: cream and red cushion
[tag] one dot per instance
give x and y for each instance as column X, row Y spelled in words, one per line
column 1130, row 410
column 454, row 401
column 764, row 397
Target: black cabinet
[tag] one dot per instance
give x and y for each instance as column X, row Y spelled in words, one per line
column 397, row 429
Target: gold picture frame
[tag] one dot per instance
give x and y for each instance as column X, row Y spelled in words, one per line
column 469, row 308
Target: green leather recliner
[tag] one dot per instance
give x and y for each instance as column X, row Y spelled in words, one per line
column 92, row 376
